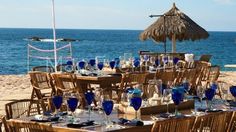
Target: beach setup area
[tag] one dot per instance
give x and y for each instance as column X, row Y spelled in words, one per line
column 172, row 75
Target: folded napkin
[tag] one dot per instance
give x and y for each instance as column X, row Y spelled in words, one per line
column 39, row 118
column 134, row 122
column 79, row 125
column 201, row 109
column 164, row 115
column 115, row 74
column 232, row 103
column 214, row 110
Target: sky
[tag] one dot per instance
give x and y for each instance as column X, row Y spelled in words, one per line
column 213, row 15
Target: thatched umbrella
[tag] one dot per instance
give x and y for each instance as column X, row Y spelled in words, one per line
column 174, row 25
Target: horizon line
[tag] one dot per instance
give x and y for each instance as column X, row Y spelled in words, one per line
column 97, row 29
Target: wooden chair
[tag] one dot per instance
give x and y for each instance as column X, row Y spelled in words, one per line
column 62, row 67
column 64, row 82
column 3, row 124
column 213, row 122
column 166, row 75
column 205, row 58
column 232, row 125
column 48, row 69
column 20, row 108
column 174, row 125
column 26, row 126
column 202, row 72
column 67, row 83
column 43, row 88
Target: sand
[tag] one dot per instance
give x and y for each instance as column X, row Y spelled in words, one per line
column 19, row 87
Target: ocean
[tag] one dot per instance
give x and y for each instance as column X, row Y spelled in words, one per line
column 108, row 43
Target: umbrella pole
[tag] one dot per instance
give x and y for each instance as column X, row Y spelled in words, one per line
column 54, row 36
column 173, row 43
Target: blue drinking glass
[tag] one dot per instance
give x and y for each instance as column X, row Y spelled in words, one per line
column 214, row 85
column 107, row 106
column 157, row 62
column 112, row 64
column 209, row 93
column 117, row 62
column 89, row 96
column 177, row 97
column 92, row 62
column 100, row 65
column 232, row 90
column 136, row 103
column 57, row 101
column 69, row 62
column 81, row 64
column 72, row 103
column 165, row 60
column 175, row 60
column 136, row 63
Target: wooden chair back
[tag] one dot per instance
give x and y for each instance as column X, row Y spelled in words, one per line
column 166, row 75
column 20, row 108
column 48, row 69
column 214, row 73
column 26, row 126
column 214, row 122
column 41, row 81
column 43, row 87
column 174, row 125
column 64, row 82
column 61, row 67
column 3, row 124
column 205, row 58
column 232, row 125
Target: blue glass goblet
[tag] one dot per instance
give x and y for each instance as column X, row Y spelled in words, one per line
column 92, row 62
column 112, row 64
column 175, row 60
column 100, row 65
column 107, row 106
column 72, row 103
column 177, row 97
column 232, row 90
column 157, row 62
column 136, row 63
column 81, row 64
column 209, row 93
column 136, row 103
column 57, row 101
column 89, row 96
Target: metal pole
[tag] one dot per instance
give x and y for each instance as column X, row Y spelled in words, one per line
column 164, row 26
column 54, row 36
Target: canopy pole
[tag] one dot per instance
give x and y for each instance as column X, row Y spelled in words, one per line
column 54, row 36
column 173, row 43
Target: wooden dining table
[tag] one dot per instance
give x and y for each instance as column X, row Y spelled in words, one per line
column 98, row 117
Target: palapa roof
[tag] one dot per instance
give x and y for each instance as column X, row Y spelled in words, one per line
column 176, row 23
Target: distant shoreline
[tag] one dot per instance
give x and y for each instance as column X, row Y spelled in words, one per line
column 39, row 28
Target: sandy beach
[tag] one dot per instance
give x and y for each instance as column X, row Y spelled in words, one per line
column 19, row 87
